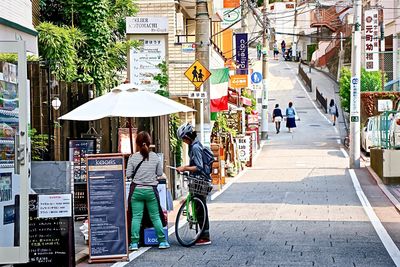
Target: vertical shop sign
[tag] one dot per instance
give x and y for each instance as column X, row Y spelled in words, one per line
column 243, row 146
column 242, row 53
column 371, row 30
column 107, row 208
column 144, row 61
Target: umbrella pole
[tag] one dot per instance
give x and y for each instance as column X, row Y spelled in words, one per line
column 130, row 134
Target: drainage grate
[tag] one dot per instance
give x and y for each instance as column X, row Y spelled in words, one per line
column 314, row 125
column 302, row 112
column 300, row 97
column 287, row 68
column 271, row 99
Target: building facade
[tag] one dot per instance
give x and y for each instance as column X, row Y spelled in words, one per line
column 16, row 23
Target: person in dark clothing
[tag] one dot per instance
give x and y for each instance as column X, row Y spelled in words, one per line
column 277, row 118
column 195, row 167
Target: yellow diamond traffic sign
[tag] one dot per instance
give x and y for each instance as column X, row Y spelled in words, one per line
column 197, row 74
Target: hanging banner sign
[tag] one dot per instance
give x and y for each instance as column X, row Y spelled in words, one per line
column 242, row 53
column 371, row 29
column 107, row 208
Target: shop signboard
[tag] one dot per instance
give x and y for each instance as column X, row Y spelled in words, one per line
column 231, row 3
column 144, row 61
column 51, row 238
column 188, row 48
column 78, row 148
column 147, row 25
column 238, row 81
column 385, row 105
column 242, row 53
column 107, row 208
column 371, row 30
column 243, row 146
column 230, row 17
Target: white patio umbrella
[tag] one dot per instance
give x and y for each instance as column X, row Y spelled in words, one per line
column 126, row 101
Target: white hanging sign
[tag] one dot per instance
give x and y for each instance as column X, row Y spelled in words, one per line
column 371, row 31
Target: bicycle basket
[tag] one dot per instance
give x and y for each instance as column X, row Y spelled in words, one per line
column 199, row 186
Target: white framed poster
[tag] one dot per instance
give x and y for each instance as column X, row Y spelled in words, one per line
column 144, row 61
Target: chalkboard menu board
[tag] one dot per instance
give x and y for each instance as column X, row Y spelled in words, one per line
column 51, row 240
column 107, row 208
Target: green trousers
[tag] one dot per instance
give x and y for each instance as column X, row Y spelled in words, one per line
column 141, row 197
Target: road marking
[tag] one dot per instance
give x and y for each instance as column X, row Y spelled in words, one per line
column 338, row 141
column 387, row 241
column 344, row 152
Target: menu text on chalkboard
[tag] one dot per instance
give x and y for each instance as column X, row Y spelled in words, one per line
column 51, row 240
column 107, row 208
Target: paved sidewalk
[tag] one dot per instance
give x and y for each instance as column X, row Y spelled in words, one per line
column 296, row 207
column 330, row 90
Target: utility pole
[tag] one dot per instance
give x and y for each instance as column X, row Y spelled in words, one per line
column 202, row 54
column 244, row 19
column 264, row 103
column 355, row 88
column 396, row 36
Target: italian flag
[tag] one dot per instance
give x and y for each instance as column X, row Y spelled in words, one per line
column 219, row 89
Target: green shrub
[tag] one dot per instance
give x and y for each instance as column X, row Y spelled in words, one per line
column 370, row 82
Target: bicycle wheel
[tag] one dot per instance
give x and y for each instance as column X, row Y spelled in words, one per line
column 188, row 228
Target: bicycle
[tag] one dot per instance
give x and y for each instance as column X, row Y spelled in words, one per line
column 189, row 225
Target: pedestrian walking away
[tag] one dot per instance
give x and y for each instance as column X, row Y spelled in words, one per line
column 277, row 118
column 333, row 111
column 259, row 48
column 276, row 50
column 196, row 167
column 283, row 47
column 144, row 167
column 290, row 117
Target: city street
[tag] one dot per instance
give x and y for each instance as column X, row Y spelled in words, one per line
column 296, row 207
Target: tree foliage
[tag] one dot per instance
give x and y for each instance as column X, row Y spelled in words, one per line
column 59, row 46
column 103, row 55
column 370, row 82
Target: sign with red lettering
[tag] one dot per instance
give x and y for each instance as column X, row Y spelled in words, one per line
column 371, row 30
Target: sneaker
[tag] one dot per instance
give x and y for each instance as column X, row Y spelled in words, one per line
column 164, row 245
column 203, row 241
column 133, row 246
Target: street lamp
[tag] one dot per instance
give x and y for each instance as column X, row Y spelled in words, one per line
column 56, row 103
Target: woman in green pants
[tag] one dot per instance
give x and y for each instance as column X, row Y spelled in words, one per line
column 146, row 167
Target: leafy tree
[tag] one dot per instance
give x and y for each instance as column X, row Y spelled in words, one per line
column 103, row 55
column 370, row 82
column 39, row 143
column 59, row 46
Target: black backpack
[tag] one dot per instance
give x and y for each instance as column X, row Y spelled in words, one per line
column 208, row 159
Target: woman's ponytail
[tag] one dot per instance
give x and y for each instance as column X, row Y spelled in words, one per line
column 143, row 144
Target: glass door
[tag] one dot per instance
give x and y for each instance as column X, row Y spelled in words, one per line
column 14, row 154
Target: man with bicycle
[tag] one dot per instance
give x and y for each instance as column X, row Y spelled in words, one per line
column 198, row 168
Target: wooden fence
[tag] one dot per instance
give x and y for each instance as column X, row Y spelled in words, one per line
column 323, row 101
column 43, row 89
column 305, row 78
